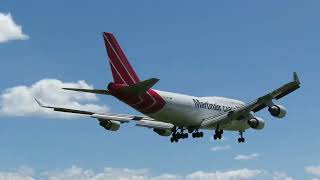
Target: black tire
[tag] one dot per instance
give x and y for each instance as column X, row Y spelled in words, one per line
column 186, row 135
column 239, row 140
column 201, row 134
column 219, row 136
column 172, row 139
column 193, row 135
column 243, row 140
column 178, row 136
column 215, row 137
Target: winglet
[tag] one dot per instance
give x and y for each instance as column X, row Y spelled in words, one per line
column 38, row 102
column 41, row 105
column 296, row 78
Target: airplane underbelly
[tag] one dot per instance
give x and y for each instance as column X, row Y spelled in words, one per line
column 179, row 116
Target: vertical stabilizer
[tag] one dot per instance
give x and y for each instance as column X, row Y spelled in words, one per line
column 122, row 71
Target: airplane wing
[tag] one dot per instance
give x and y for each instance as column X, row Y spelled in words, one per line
column 142, row 121
column 255, row 105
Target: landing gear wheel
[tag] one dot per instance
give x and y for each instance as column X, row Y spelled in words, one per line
column 241, row 139
column 218, row 133
column 221, row 131
column 215, row 137
column 200, row 134
column 186, row 135
column 172, row 139
column 178, row 136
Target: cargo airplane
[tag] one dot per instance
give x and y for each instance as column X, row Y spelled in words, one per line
column 173, row 114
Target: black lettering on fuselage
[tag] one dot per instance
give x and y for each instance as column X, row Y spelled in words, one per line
column 210, row 106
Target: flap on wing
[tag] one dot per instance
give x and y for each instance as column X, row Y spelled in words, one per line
column 140, row 87
column 120, row 117
column 155, row 124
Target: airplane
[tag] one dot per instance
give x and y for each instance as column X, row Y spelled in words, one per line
column 171, row 114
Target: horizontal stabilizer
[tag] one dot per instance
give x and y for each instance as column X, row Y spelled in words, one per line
column 94, row 91
column 140, row 87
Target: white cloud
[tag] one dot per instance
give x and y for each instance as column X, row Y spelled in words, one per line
column 22, row 173
column 281, row 176
column 247, row 157
column 9, row 30
column 315, row 170
column 77, row 173
column 19, row 100
column 224, row 175
column 220, row 148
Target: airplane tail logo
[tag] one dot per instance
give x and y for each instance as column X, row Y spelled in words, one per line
column 122, row 71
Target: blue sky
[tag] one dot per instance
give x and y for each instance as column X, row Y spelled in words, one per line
column 234, row 49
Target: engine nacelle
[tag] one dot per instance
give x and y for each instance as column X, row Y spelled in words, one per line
column 109, row 124
column 256, row 123
column 277, row 111
column 163, row 132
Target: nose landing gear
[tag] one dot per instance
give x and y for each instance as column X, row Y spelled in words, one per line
column 241, row 139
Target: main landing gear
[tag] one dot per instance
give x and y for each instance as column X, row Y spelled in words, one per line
column 181, row 135
column 218, row 133
column 241, row 138
column 197, row 134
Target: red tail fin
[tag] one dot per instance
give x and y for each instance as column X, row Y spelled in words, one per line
column 122, row 71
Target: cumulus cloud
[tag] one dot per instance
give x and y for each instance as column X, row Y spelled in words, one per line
column 225, row 175
column 315, row 170
column 9, row 30
column 23, row 173
column 77, row 173
column 247, row 157
column 220, row 148
column 281, row 176
column 19, row 100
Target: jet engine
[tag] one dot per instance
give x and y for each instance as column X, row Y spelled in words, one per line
column 256, row 123
column 109, row 124
column 277, row 111
column 163, row 132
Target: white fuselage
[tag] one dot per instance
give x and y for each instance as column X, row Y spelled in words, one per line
column 189, row 111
